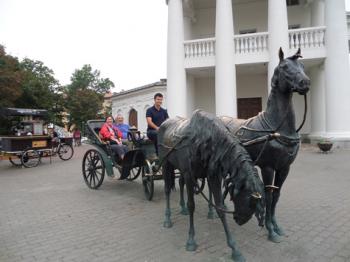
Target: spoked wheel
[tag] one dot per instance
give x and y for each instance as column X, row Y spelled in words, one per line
column 65, row 152
column 134, row 173
column 30, row 158
column 16, row 160
column 147, row 181
column 93, row 169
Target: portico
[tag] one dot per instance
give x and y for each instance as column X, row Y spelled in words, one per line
column 223, row 50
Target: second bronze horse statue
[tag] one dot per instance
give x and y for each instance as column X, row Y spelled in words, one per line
column 275, row 156
column 203, row 148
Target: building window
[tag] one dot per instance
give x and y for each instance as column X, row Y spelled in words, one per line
column 247, row 31
column 292, row 2
column 133, row 117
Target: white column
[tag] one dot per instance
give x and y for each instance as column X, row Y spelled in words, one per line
column 190, row 94
column 317, row 76
column 317, row 13
column 278, row 34
column 189, row 18
column 225, row 71
column 317, row 102
column 176, row 75
column 337, row 72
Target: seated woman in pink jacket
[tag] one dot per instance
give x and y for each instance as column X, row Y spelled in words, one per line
column 113, row 135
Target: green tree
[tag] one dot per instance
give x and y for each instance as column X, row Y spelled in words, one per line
column 86, row 78
column 40, row 89
column 10, row 79
column 84, row 96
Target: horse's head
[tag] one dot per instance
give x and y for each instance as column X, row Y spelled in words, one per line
column 289, row 75
column 249, row 198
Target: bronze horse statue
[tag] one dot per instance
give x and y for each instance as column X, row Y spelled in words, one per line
column 275, row 156
column 203, row 148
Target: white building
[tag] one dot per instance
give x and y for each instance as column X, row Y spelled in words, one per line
column 222, row 53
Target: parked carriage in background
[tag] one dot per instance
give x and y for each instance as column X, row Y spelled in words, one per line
column 27, row 142
column 100, row 160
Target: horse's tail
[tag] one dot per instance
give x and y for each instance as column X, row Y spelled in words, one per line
column 168, row 176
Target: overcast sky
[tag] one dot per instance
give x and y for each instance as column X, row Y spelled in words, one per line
column 124, row 39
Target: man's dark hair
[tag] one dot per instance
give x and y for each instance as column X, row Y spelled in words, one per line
column 157, row 95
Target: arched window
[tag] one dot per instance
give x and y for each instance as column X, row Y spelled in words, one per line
column 133, row 117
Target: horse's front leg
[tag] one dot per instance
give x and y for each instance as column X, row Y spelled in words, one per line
column 210, row 206
column 168, row 174
column 184, row 210
column 281, row 176
column 215, row 187
column 267, row 174
column 191, row 244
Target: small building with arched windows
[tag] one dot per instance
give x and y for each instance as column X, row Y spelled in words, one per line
column 132, row 104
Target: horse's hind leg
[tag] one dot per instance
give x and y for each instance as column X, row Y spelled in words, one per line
column 191, row 244
column 169, row 180
column 281, row 176
column 184, row 210
column 215, row 187
column 267, row 174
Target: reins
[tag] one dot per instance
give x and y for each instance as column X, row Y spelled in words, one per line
column 305, row 111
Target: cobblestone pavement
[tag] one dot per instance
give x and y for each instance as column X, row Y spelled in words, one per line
column 48, row 214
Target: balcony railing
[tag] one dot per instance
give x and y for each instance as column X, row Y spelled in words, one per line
column 312, row 37
column 200, row 48
column 251, row 43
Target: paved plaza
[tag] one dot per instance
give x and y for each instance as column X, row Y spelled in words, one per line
column 47, row 213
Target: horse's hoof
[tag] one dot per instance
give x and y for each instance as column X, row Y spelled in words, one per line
column 184, row 211
column 168, row 224
column 274, row 238
column 237, row 256
column 211, row 215
column 191, row 245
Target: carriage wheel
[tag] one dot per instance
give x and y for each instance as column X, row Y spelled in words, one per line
column 93, row 169
column 16, row 161
column 65, row 152
column 147, row 181
column 30, row 158
column 134, row 173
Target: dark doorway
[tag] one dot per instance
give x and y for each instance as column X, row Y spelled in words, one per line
column 248, row 107
column 133, row 118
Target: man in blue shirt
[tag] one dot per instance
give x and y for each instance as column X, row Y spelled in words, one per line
column 155, row 116
column 124, row 128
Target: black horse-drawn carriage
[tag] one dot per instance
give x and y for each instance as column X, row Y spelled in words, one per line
column 101, row 160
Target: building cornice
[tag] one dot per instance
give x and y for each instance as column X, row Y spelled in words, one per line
column 161, row 83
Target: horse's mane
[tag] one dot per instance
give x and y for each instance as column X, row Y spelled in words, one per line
column 213, row 144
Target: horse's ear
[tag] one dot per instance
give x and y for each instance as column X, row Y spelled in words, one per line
column 281, row 54
column 297, row 54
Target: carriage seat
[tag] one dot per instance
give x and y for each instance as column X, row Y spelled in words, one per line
column 97, row 130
